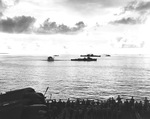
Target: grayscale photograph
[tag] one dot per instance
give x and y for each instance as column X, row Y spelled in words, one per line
column 74, row 59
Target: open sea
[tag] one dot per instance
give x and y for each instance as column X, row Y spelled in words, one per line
column 108, row 77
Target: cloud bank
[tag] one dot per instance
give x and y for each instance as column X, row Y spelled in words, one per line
column 128, row 21
column 25, row 24
column 138, row 6
column 51, row 27
column 86, row 7
column 135, row 12
column 103, row 3
column 17, row 24
column 122, row 42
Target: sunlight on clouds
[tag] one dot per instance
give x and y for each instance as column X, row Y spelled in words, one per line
column 98, row 37
column 52, row 44
column 43, row 10
column 93, row 42
column 9, row 2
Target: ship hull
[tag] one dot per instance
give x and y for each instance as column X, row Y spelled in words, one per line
column 79, row 59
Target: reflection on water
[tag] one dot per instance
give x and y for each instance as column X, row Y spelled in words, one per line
column 109, row 76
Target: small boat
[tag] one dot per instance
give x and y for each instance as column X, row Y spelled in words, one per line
column 50, row 58
column 107, row 55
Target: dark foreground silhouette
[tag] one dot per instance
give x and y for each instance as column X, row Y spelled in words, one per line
column 28, row 104
column 90, row 109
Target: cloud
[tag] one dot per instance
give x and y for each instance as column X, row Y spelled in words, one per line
column 1, row 14
column 122, row 42
column 138, row 6
column 128, row 20
column 103, row 3
column 2, row 6
column 25, row 24
column 5, row 4
column 17, row 24
column 135, row 12
column 130, row 46
column 87, row 7
column 52, row 27
column 9, row 3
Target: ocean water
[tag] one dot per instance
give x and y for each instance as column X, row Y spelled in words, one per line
column 108, row 77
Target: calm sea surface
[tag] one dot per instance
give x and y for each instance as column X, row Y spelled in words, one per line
column 108, row 77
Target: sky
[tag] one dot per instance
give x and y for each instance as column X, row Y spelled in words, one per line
column 45, row 27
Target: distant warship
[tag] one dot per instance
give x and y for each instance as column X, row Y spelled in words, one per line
column 86, row 58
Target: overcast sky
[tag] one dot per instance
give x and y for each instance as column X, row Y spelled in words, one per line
column 74, row 26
